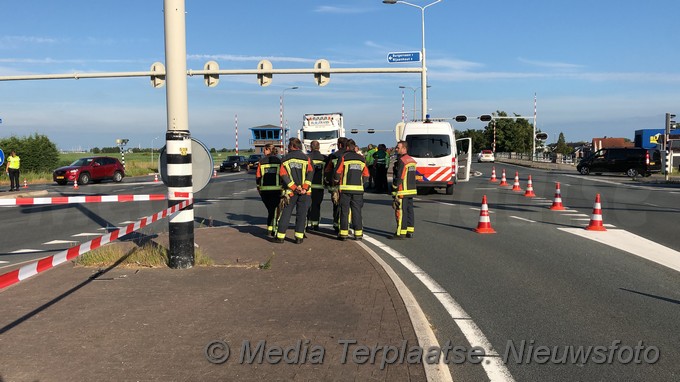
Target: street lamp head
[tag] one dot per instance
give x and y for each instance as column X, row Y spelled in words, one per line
column 390, row 1
column 294, row 87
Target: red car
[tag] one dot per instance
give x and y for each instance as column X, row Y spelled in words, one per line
column 91, row 169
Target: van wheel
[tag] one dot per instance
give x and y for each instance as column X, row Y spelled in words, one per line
column 449, row 189
column 632, row 172
column 585, row 170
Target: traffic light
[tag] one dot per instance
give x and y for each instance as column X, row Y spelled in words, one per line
column 541, row 136
column 485, row 118
column 211, row 80
column 371, row 131
column 265, row 76
column 461, row 118
column 354, row 131
column 324, row 77
column 157, row 81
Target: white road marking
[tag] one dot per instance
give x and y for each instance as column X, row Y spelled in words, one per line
column 3, row 262
column 60, row 242
column 479, row 209
column 632, row 243
column 86, row 234
column 127, row 222
column 523, row 219
column 493, row 365
column 26, row 250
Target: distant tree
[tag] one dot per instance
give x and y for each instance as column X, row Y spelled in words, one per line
column 562, row 147
column 512, row 135
column 213, row 150
column 95, row 150
column 37, row 152
column 479, row 139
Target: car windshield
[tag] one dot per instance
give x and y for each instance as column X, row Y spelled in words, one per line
column 234, row 158
column 429, row 145
column 255, row 156
column 82, row 162
column 320, row 135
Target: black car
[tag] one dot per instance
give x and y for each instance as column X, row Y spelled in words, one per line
column 234, row 163
column 253, row 159
column 632, row 161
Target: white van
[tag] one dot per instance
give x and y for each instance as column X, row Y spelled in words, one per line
column 432, row 143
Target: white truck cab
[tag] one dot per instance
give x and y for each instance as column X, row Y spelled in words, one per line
column 432, row 143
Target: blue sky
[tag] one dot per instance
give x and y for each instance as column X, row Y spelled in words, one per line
column 597, row 67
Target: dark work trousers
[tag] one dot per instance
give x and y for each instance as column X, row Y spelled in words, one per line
column 371, row 179
column 271, row 201
column 336, row 214
column 301, row 203
column 381, row 179
column 315, row 209
column 354, row 203
column 14, row 178
column 405, row 216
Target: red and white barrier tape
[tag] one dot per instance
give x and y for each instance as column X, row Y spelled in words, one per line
column 81, row 199
column 41, row 265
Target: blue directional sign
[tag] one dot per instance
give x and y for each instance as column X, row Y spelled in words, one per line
column 2, row 157
column 395, row 57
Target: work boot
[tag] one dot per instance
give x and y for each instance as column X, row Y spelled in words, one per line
column 299, row 240
column 396, row 237
column 342, row 238
column 277, row 240
column 357, row 238
column 409, row 235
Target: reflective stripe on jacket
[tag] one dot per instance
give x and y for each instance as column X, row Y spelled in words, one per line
column 404, row 177
column 351, row 172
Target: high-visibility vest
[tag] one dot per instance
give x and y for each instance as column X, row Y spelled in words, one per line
column 267, row 175
column 350, row 171
column 296, row 170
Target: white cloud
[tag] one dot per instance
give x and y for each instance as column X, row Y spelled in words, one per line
column 550, row 64
column 338, row 10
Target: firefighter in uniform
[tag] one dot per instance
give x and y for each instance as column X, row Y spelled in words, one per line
column 331, row 163
column 403, row 189
column 350, row 174
column 296, row 176
column 269, row 185
column 319, row 163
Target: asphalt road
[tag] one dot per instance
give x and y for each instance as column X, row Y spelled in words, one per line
column 537, row 280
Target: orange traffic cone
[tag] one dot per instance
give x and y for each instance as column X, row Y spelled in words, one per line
column 557, row 202
column 596, row 218
column 504, row 182
column 25, row 183
column 484, row 225
column 530, row 189
column 493, row 175
column 155, row 177
column 515, row 186
column 75, row 184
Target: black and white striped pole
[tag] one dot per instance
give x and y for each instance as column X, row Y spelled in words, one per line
column 178, row 137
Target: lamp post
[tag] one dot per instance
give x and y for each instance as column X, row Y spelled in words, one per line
column 152, row 150
column 414, row 98
column 423, row 73
column 283, row 93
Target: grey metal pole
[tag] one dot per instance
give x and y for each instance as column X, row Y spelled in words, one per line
column 178, row 137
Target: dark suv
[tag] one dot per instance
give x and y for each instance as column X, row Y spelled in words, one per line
column 234, row 163
column 89, row 169
column 632, row 161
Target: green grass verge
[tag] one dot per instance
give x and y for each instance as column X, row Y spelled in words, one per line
column 147, row 256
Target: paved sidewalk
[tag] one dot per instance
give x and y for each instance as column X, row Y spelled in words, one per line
column 72, row 323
